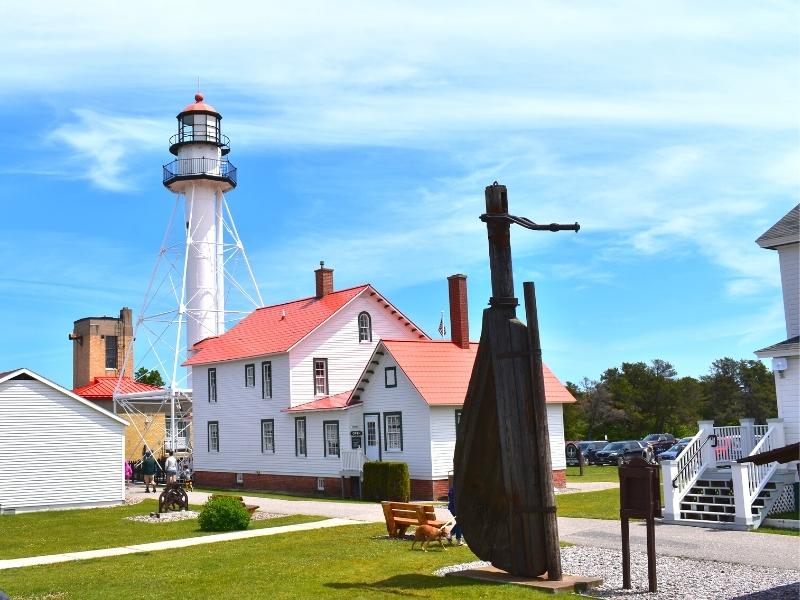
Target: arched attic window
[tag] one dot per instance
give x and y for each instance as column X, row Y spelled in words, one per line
column 364, row 327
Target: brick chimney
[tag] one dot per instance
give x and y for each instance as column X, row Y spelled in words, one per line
column 459, row 314
column 324, row 280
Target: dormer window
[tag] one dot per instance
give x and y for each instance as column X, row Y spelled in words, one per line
column 364, row 327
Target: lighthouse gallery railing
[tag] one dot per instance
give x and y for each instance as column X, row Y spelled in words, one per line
column 198, row 167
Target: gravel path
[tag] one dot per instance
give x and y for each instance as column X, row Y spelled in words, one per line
column 678, row 578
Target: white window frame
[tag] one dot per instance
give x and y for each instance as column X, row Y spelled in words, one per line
column 393, row 431
column 212, row 385
column 320, row 366
column 331, row 447
column 266, row 379
column 213, row 436
column 300, row 441
column 250, row 375
column 364, row 327
column 268, row 436
column 390, row 377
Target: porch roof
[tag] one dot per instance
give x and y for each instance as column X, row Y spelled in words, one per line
column 790, row 347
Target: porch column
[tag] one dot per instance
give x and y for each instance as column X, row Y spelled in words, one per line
column 672, row 501
column 748, row 439
column 709, row 455
column 741, row 494
column 778, row 434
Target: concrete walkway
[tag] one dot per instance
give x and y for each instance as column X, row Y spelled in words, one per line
column 14, row 563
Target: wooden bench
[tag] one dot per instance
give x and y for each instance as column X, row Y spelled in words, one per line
column 251, row 508
column 401, row 515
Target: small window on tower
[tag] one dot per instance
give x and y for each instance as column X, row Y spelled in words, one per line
column 364, row 327
column 111, row 352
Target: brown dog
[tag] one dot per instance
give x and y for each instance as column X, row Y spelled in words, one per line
column 428, row 533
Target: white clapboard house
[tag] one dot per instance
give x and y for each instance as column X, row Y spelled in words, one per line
column 57, row 450
column 298, row 395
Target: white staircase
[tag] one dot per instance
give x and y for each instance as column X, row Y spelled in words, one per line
column 706, row 486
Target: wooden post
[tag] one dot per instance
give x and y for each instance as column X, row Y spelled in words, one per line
column 500, row 248
column 626, row 554
column 548, row 501
column 651, row 555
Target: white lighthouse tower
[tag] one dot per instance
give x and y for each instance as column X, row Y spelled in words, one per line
column 185, row 298
column 202, row 173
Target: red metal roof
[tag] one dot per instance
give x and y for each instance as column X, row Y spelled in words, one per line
column 103, row 388
column 199, row 105
column 337, row 401
column 440, row 370
column 279, row 327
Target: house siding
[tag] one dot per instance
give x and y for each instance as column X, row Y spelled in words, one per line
column 789, row 257
column 788, row 391
column 56, row 452
column 416, row 417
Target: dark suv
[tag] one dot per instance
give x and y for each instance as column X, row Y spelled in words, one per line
column 588, row 450
column 615, row 452
column 660, row 442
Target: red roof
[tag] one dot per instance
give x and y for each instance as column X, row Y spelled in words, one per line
column 103, row 387
column 440, row 370
column 277, row 328
column 199, row 105
column 337, row 401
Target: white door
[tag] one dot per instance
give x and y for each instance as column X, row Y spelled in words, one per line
column 372, row 437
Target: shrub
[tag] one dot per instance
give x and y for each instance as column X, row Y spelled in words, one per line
column 223, row 513
column 387, row 481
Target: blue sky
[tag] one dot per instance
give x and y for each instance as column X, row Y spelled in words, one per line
column 365, row 133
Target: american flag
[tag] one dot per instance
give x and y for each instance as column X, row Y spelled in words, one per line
column 442, row 328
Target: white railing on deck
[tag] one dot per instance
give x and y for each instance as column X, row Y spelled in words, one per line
column 689, row 464
column 759, row 431
column 759, row 475
column 729, row 443
column 352, row 461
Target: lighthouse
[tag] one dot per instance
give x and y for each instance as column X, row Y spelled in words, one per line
column 201, row 173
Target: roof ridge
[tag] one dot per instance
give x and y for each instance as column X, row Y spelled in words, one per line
column 348, row 289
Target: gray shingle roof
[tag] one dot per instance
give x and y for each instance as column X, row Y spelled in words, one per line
column 785, row 231
column 788, row 347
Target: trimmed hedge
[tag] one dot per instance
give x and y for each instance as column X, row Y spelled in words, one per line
column 387, row 481
column 223, row 513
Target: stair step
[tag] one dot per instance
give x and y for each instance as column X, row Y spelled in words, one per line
column 690, row 515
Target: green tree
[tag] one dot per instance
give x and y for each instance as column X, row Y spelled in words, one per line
column 738, row 388
column 152, row 377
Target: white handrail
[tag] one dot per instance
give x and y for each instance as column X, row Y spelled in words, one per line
column 759, row 475
column 689, row 464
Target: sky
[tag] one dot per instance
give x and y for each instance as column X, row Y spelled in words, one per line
column 364, row 134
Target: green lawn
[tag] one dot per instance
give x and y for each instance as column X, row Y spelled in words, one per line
column 589, row 505
column 592, row 473
column 342, row 562
column 54, row 532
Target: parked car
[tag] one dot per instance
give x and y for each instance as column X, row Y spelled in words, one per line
column 660, row 441
column 673, row 451
column 588, row 449
column 615, row 452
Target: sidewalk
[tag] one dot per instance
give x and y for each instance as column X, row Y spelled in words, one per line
column 14, row 563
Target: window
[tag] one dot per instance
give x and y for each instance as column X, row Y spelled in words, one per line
column 212, row 385
column 321, row 376
column 331, row 430
column 213, row 436
column 458, row 417
column 372, row 433
column 390, row 376
column 364, row 327
column 300, row 436
column 111, row 352
column 249, row 376
column 393, row 431
column 266, row 379
column 268, row 436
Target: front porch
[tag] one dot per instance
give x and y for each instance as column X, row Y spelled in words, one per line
column 706, row 486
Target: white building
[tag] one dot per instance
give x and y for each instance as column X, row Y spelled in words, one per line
column 297, row 395
column 57, row 450
column 784, row 237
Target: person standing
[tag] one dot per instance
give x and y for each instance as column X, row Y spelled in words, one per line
column 451, row 506
column 171, row 467
column 149, row 468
